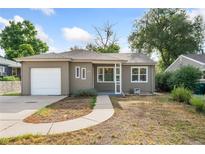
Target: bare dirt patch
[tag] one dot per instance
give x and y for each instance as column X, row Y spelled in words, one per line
column 68, row 108
column 159, row 122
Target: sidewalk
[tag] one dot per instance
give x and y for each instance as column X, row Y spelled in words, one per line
column 101, row 112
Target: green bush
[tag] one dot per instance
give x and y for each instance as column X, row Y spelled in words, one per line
column 93, row 102
column 162, row 81
column 181, row 94
column 198, row 103
column 10, row 78
column 186, row 76
column 86, row 92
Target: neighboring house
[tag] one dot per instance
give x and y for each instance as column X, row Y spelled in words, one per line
column 196, row 60
column 67, row 72
column 9, row 67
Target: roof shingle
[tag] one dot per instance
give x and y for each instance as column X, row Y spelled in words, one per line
column 130, row 58
column 198, row 57
column 9, row 63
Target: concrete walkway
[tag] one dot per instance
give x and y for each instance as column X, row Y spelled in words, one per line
column 101, row 112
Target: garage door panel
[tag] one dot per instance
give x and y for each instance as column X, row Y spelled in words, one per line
column 45, row 81
column 44, row 91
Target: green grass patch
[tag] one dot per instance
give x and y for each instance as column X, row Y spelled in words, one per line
column 4, row 141
column 200, row 96
column 44, row 112
column 93, row 102
column 12, row 94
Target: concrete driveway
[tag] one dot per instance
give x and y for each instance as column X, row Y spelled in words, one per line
column 15, row 108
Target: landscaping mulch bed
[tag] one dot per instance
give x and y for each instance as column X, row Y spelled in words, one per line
column 68, row 108
column 137, row 120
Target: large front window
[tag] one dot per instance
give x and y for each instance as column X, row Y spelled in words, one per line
column 105, row 74
column 139, row 74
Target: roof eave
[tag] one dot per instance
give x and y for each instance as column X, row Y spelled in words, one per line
column 43, row 59
column 139, row 64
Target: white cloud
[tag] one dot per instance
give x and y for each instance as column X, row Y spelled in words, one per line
column 42, row 35
column 18, row 18
column 195, row 12
column 76, row 34
column 46, row 11
column 5, row 22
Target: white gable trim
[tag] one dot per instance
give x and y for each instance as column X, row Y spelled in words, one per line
column 196, row 61
column 173, row 63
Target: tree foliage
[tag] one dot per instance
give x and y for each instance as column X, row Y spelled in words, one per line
column 171, row 32
column 105, row 40
column 186, row 76
column 20, row 39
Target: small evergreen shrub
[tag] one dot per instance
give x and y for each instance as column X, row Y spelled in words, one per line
column 181, row 94
column 93, row 102
column 198, row 103
column 86, row 92
column 10, row 78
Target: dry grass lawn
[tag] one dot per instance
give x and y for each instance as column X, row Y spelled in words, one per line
column 68, row 108
column 137, row 120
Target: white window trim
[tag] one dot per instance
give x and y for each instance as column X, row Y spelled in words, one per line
column 104, row 74
column 139, row 74
column 77, row 68
column 83, row 78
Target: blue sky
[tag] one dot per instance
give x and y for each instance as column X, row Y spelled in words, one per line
column 64, row 28
column 52, row 23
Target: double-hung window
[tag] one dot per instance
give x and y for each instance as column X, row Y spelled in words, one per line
column 77, row 72
column 139, row 74
column 105, row 74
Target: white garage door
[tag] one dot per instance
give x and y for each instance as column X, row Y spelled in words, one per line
column 45, row 81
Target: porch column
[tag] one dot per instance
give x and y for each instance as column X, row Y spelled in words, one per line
column 118, row 78
column 115, row 78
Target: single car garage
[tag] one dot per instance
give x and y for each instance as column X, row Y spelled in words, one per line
column 45, row 78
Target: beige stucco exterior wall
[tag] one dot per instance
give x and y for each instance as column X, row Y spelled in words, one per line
column 147, row 87
column 78, row 83
column 26, row 82
column 70, row 84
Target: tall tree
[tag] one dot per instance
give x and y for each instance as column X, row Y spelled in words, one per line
column 105, row 40
column 170, row 32
column 20, row 39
